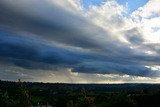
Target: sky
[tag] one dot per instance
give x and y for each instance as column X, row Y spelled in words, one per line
column 80, row 41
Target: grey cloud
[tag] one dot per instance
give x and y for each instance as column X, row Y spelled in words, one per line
column 54, row 24
column 113, row 68
column 134, row 36
column 25, row 53
column 51, row 22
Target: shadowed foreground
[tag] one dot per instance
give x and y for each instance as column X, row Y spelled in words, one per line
column 25, row 94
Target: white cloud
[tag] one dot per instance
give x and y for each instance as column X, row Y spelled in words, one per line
column 151, row 9
column 73, row 6
column 147, row 20
column 107, row 16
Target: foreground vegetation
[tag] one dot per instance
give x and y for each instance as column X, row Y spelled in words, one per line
column 24, row 94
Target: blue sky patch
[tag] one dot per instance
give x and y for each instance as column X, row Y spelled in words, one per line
column 87, row 3
column 132, row 4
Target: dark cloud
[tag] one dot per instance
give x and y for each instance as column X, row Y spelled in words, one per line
column 25, row 53
column 134, row 36
column 91, row 49
column 113, row 68
column 64, row 27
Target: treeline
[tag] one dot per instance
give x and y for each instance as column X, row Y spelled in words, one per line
column 14, row 94
column 25, row 94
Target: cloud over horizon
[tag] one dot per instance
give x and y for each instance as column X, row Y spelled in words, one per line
column 52, row 37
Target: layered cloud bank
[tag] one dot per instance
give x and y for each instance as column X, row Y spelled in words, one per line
column 63, row 41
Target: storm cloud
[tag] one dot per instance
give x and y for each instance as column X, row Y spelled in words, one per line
column 46, row 35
